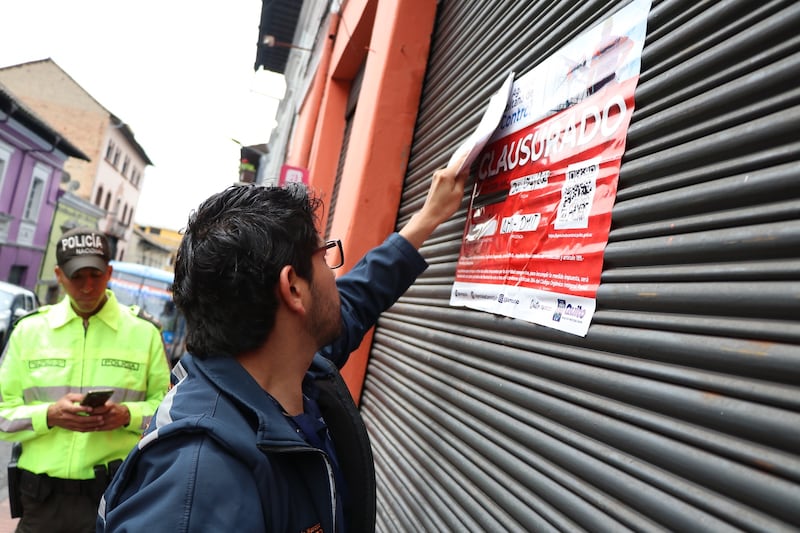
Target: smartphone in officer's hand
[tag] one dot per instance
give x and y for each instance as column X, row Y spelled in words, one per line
column 97, row 398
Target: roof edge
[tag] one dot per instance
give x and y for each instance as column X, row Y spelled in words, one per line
column 14, row 108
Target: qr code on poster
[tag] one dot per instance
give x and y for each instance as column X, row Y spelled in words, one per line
column 577, row 195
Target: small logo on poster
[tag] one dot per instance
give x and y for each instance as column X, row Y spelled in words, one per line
column 562, row 304
column 576, row 311
column 569, row 312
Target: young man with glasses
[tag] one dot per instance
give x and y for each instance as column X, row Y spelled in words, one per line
column 260, row 432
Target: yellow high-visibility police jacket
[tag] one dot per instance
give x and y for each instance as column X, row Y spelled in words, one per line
column 50, row 354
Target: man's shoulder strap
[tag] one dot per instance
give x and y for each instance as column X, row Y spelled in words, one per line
column 35, row 312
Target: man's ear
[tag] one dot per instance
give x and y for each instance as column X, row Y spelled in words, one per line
column 59, row 273
column 292, row 289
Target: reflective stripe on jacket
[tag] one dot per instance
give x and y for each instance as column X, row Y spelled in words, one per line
column 50, row 354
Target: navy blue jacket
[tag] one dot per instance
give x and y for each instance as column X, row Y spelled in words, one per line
column 220, row 456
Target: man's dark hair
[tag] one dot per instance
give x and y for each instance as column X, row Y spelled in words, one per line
column 229, row 261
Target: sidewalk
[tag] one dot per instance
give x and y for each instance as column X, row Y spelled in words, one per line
column 7, row 524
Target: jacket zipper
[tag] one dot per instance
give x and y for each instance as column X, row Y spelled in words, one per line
column 328, row 468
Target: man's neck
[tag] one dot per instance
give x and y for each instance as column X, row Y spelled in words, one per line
column 279, row 368
column 85, row 316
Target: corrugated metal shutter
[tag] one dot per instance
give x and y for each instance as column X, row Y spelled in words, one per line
column 681, row 407
column 348, row 128
column 350, row 111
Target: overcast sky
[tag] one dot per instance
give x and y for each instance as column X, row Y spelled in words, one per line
column 178, row 72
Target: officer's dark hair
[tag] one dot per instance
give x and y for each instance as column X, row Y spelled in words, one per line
column 229, row 261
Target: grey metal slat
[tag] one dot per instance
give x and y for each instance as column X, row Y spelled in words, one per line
column 780, row 331
column 635, row 181
column 787, row 269
column 730, row 299
column 726, row 218
column 762, row 241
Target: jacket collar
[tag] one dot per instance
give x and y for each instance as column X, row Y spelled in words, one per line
column 266, row 416
column 62, row 313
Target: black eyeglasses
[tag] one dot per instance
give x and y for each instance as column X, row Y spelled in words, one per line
column 334, row 255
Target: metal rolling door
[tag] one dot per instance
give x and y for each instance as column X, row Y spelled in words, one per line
column 680, row 408
column 350, row 111
column 337, row 183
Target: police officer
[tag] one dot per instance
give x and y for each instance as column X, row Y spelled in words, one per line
column 88, row 341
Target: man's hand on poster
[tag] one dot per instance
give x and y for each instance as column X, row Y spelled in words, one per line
column 443, row 200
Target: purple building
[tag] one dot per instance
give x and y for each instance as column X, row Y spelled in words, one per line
column 32, row 156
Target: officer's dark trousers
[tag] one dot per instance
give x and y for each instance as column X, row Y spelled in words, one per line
column 59, row 513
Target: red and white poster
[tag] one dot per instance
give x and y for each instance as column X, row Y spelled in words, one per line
column 546, row 181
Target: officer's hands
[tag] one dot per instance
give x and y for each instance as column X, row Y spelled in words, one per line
column 69, row 414
column 115, row 415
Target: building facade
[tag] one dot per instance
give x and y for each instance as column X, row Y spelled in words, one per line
column 680, row 408
column 32, row 159
column 112, row 177
column 155, row 247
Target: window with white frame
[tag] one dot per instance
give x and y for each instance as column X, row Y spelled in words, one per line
column 33, row 203
column 5, row 158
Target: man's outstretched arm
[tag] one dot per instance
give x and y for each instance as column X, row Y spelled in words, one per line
column 444, row 199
